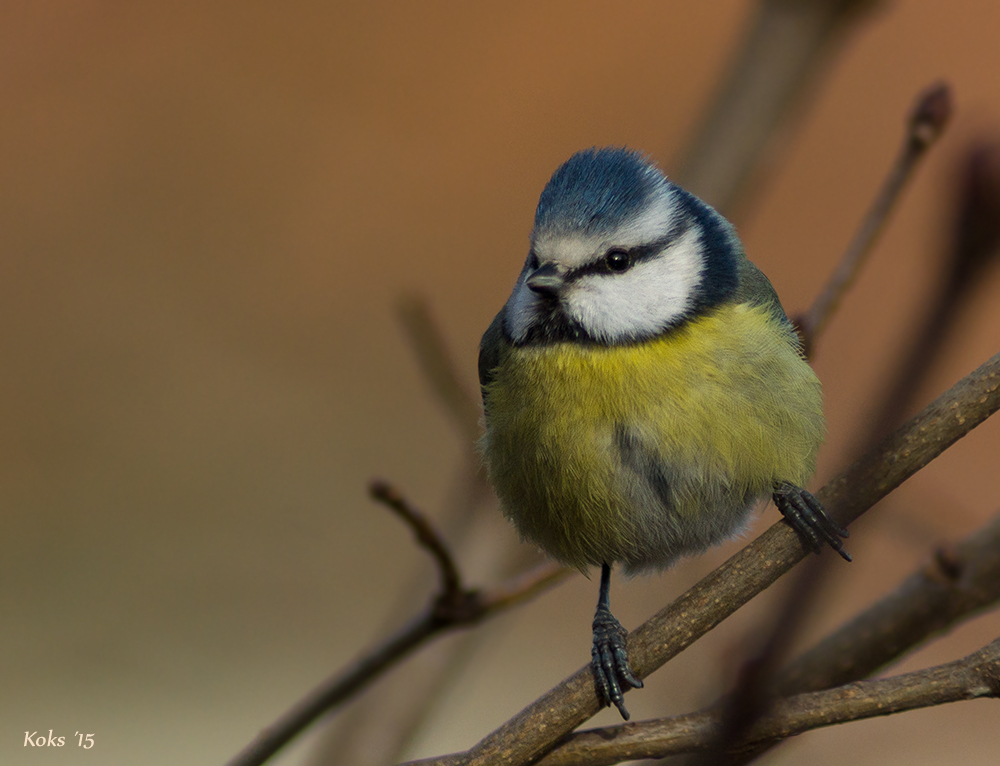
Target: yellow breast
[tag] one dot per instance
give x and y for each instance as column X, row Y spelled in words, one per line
column 723, row 408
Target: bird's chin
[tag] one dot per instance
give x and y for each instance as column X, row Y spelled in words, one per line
column 551, row 324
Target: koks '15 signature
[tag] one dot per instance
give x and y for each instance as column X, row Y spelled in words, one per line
column 34, row 739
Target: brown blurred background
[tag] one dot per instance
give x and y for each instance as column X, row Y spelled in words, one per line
column 207, row 215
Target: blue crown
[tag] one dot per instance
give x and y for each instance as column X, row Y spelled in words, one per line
column 596, row 190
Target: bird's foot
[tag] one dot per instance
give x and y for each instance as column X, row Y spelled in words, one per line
column 609, row 661
column 808, row 518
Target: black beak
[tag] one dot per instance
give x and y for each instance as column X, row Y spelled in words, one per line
column 546, row 281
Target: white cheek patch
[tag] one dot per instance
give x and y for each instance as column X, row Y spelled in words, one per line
column 643, row 300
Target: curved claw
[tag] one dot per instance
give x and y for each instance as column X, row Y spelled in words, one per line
column 609, row 662
column 809, row 519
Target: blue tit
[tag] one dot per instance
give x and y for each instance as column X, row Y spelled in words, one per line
column 644, row 390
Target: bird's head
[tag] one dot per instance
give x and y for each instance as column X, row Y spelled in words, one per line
column 618, row 254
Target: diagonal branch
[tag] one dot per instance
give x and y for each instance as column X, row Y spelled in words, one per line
column 927, row 122
column 438, row 367
column 957, row 583
column 378, row 726
column 747, row 700
column 454, row 607
column 782, row 54
column 536, row 729
column 973, row 677
column 427, row 536
column 973, row 248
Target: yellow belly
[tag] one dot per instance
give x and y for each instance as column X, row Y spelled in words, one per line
column 721, row 409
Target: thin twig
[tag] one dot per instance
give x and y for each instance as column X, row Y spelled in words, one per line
column 376, row 729
column 771, row 76
column 536, row 729
column 436, row 362
column 337, row 689
column 523, row 587
column 974, row 246
column 460, row 403
column 448, row 610
column 427, row 536
column 927, row 122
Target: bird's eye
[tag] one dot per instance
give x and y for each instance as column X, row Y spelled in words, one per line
column 533, row 261
column 618, row 261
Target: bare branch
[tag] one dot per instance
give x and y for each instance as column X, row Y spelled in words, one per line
column 449, row 610
column 931, row 114
column 973, row 677
column 975, row 243
column 376, row 729
column 974, row 246
column 536, row 729
column 957, row 583
column 746, row 703
column 427, row 536
column 976, row 234
column 438, row 366
column 523, row 587
column 775, row 69
column 336, row 690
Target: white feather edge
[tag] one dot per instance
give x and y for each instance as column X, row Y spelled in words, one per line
column 643, row 300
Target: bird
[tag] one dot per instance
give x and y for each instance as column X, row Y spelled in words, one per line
column 643, row 389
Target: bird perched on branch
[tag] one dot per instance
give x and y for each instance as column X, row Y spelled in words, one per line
column 644, row 390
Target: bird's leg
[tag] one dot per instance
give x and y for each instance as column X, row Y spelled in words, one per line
column 807, row 517
column 609, row 661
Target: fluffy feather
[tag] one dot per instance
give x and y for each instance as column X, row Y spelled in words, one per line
column 641, row 454
column 638, row 415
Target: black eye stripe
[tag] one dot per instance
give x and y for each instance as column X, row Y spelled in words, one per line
column 716, row 248
column 636, row 255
